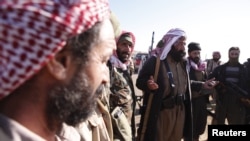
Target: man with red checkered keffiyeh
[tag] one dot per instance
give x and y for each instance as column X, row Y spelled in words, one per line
column 49, row 52
column 122, row 97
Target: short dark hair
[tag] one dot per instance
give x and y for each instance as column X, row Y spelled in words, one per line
column 193, row 46
column 233, row 48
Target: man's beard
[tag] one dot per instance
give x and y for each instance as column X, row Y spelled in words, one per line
column 177, row 55
column 216, row 59
column 123, row 56
column 196, row 60
column 233, row 61
column 73, row 103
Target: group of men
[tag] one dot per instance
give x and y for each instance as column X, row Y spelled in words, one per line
column 165, row 78
column 65, row 74
column 230, row 90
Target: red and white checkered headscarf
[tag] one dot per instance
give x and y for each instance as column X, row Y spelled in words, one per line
column 114, row 58
column 33, row 31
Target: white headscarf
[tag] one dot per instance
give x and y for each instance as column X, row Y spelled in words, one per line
column 169, row 39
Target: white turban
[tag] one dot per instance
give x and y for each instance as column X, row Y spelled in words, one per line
column 169, row 39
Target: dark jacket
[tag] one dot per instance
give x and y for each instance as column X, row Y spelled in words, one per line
column 122, row 87
column 141, row 83
column 220, row 72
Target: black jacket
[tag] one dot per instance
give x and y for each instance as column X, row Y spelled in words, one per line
column 141, row 83
column 220, row 72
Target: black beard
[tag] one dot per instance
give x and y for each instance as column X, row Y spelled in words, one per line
column 121, row 56
column 73, row 103
column 233, row 61
column 216, row 59
column 196, row 60
column 177, row 55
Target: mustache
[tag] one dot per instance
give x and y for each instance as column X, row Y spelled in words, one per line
column 197, row 59
column 123, row 52
column 103, row 92
column 101, row 89
column 126, row 53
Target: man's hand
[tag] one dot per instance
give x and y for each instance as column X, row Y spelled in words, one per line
column 210, row 84
column 151, row 84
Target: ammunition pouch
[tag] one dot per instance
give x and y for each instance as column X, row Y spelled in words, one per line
column 172, row 101
column 121, row 126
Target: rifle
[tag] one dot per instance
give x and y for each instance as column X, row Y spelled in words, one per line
column 149, row 103
column 236, row 89
column 152, row 44
column 241, row 93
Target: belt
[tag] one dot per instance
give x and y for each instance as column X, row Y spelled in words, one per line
column 195, row 94
column 170, row 102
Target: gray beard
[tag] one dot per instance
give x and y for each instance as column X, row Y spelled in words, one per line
column 72, row 103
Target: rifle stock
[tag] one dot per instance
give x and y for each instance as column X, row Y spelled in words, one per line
column 241, row 93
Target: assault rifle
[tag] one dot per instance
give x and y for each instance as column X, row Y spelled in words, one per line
column 236, row 89
column 243, row 95
column 152, row 45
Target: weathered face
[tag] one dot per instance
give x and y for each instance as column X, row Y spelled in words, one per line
column 74, row 101
column 195, row 56
column 124, row 50
column 178, row 49
column 97, row 70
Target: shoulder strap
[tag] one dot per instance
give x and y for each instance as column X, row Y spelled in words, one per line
column 170, row 75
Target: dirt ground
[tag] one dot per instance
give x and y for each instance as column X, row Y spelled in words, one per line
column 203, row 137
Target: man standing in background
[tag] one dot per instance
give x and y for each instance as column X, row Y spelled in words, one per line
column 211, row 65
column 197, row 72
column 214, row 62
column 122, row 98
column 230, row 75
column 168, row 115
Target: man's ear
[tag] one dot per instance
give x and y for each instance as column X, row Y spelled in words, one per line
column 58, row 66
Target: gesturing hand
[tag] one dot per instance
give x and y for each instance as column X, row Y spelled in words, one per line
column 210, row 84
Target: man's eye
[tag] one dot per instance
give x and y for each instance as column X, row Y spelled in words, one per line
column 127, row 44
column 124, row 44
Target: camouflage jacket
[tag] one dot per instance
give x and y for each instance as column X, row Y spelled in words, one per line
column 122, row 93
